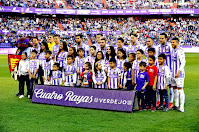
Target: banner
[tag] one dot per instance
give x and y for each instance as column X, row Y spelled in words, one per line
column 13, row 61
column 60, row 32
column 97, row 12
column 84, row 97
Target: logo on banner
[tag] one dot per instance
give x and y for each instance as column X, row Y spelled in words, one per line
column 1, row 9
column 13, row 61
column 15, row 10
column 182, row 11
column 28, row 10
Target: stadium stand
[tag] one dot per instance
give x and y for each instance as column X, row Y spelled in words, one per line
column 103, row 4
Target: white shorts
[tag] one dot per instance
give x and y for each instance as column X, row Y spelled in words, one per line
column 177, row 82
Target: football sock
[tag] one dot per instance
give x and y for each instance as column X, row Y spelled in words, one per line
column 171, row 95
column 182, row 98
column 176, row 96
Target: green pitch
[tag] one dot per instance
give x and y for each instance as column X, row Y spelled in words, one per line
column 23, row 116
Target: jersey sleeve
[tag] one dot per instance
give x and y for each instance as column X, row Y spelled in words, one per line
column 155, row 71
column 75, row 64
column 63, row 74
column 104, row 75
column 181, row 57
column 147, row 77
column 124, row 74
column 53, row 53
column 51, row 65
column 28, row 65
column 167, row 74
column 37, row 64
column 133, row 66
column 94, row 78
column 19, row 68
column 74, row 75
column 108, row 72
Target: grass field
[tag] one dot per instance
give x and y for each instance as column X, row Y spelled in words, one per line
column 23, row 116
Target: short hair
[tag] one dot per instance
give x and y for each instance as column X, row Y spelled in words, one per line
column 177, row 39
column 150, row 38
column 134, row 34
column 48, row 52
column 50, row 35
column 70, row 56
column 100, row 34
column 94, row 47
column 80, row 49
column 142, row 63
column 165, row 35
column 56, row 64
column 89, row 64
column 152, row 50
column 103, row 39
column 152, row 57
column 127, row 65
column 133, row 54
column 57, row 35
column 25, row 53
column 35, row 38
column 112, row 60
column 141, row 51
column 34, row 51
column 121, row 39
column 162, row 55
column 80, row 35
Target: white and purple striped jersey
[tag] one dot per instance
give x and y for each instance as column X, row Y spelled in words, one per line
column 90, row 59
column 32, row 66
column 61, row 58
column 85, row 47
column 167, row 50
column 124, row 48
column 79, row 64
column 134, row 48
column 163, row 77
column 114, row 75
column 41, row 58
column 120, row 64
column 104, row 51
column 103, row 64
column 55, row 50
column 47, row 66
column 98, row 47
column 69, row 74
column 126, row 76
column 100, row 76
column 56, row 78
column 37, row 49
column 146, row 51
column 136, row 68
column 178, row 59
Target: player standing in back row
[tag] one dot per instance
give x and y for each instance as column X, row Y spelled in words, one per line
column 178, row 59
column 165, row 48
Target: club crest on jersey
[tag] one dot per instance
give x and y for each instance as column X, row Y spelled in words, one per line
column 141, row 76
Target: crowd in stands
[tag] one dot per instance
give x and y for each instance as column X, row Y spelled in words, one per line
column 187, row 29
column 100, row 4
